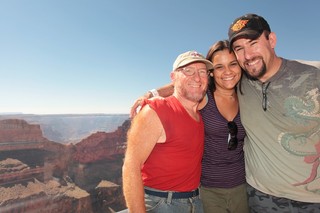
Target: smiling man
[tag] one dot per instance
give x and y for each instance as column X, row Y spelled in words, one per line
column 280, row 111
column 162, row 167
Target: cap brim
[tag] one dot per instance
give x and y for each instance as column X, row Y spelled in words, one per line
column 186, row 62
column 248, row 34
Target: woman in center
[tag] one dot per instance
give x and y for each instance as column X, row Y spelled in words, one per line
column 223, row 183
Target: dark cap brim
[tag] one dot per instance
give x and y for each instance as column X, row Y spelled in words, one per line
column 248, row 34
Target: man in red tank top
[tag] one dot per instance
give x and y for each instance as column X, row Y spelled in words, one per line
column 162, row 166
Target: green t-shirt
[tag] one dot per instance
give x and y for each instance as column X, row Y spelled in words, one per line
column 282, row 148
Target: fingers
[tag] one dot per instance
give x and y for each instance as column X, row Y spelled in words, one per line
column 136, row 107
column 137, row 104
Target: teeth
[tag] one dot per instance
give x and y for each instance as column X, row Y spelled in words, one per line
column 253, row 62
column 193, row 85
column 228, row 78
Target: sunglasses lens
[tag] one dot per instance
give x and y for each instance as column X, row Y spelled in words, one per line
column 233, row 130
column 233, row 143
column 232, row 127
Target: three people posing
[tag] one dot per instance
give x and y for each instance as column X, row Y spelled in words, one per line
column 279, row 107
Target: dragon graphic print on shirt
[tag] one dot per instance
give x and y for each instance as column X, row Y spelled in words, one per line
column 304, row 112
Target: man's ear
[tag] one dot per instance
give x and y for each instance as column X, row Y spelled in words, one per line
column 173, row 76
column 272, row 40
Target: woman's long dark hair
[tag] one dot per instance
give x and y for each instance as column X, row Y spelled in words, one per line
column 216, row 47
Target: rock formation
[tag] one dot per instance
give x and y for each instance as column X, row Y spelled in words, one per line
column 39, row 175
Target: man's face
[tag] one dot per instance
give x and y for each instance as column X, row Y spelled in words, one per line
column 254, row 55
column 191, row 87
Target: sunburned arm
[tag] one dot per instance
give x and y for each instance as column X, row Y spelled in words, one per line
column 145, row 131
column 163, row 91
column 166, row 90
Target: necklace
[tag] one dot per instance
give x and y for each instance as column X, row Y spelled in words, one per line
column 225, row 95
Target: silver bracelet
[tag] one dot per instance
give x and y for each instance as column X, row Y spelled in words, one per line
column 154, row 92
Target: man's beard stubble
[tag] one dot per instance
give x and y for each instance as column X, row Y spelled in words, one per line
column 261, row 73
column 195, row 97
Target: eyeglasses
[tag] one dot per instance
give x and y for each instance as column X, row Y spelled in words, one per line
column 232, row 139
column 190, row 71
column 264, row 95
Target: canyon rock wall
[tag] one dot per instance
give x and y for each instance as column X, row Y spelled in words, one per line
column 39, row 175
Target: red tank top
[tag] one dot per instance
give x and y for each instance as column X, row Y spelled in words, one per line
column 176, row 164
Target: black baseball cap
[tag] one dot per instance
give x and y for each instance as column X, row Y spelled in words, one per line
column 248, row 26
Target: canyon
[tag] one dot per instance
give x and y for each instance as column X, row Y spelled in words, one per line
column 39, row 175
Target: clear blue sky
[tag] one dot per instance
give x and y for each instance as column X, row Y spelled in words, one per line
column 98, row 56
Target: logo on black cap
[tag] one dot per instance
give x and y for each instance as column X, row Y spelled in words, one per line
column 239, row 25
